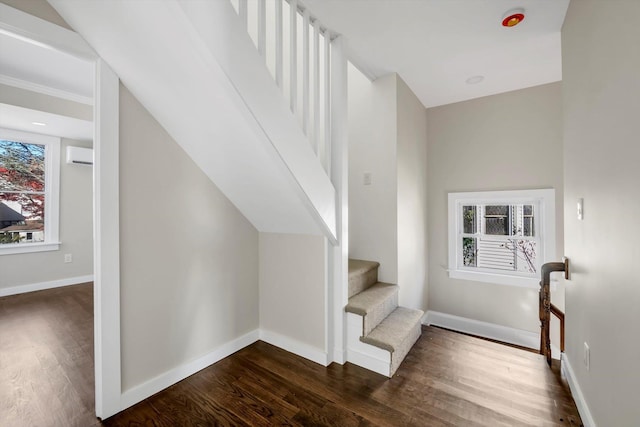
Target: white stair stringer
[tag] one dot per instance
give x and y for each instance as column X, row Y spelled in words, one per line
column 373, row 356
column 374, row 305
column 380, row 334
column 192, row 65
column 365, row 355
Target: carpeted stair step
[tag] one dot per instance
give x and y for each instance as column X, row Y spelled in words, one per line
column 397, row 334
column 362, row 274
column 374, row 304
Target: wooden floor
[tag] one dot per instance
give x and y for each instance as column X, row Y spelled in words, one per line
column 448, row 379
column 46, row 358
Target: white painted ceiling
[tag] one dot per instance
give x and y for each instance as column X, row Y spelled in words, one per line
column 43, row 66
column 41, row 69
column 436, row 45
column 23, row 119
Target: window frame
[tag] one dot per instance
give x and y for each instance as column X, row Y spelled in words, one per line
column 544, row 225
column 51, row 193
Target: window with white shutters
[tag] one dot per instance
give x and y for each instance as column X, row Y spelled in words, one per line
column 501, row 237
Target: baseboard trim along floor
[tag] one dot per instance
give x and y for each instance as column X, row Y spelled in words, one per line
column 492, row 331
column 40, row 286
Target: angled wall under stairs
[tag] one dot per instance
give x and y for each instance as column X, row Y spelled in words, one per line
column 379, row 332
column 195, row 69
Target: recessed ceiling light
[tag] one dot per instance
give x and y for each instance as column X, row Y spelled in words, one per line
column 513, row 17
column 38, row 123
column 474, row 80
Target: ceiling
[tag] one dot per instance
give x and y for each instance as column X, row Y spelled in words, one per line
column 436, row 45
column 23, row 119
column 31, row 66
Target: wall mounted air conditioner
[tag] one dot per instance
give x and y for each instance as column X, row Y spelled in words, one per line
column 79, row 156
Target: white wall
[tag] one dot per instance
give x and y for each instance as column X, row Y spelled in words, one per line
column 412, row 198
column 501, row 142
column 189, row 259
column 292, row 289
column 372, row 148
column 76, row 232
column 601, row 102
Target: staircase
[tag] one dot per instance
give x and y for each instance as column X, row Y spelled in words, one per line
column 210, row 88
column 380, row 334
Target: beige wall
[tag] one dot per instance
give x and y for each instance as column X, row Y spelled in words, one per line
column 601, row 63
column 38, row 8
column 372, row 148
column 387, row 219
column 502, row 142
column 40, row 102
column 76, row 192
column 189, row 259
column 293, row 286
column 412, row 198
column 76, row 232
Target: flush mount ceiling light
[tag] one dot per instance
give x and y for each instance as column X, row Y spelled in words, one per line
column 474, row 80
column 513, row 17
column 38, row 123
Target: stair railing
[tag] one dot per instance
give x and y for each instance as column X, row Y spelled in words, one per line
column 560, row 315
column 296, row 48
column 546, row 308
column 308, row 63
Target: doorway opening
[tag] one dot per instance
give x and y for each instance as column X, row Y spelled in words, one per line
column 25, row 91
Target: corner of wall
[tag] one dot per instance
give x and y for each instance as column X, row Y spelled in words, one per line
column 412, row 208
column 576, row 392
column 292, row 286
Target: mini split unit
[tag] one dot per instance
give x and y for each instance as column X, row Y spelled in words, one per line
column 79, row 156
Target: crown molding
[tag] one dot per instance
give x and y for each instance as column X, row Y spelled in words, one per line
column 45, row 90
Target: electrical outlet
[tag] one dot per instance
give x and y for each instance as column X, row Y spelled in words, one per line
column 587, row 355
column 68, row 258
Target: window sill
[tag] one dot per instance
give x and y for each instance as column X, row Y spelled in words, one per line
column 25, row 248
column 499, row 279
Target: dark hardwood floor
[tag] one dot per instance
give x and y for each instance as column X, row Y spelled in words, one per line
column 448, row 379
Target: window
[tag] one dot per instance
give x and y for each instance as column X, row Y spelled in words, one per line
column 29, row 181
column 501, row 237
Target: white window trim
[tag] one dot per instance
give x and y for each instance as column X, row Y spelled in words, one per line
column 546, row 228
column 51, row 195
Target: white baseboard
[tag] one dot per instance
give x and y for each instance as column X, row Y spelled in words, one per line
column 339, row 356
column 149, row 388
column 505, row 334
column 296, row 347
column 14, row 290
column 369, row 362
column 365, row 355
column 576, row 392
column 140, row 392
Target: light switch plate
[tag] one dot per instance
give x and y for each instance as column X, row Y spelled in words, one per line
column 367, row 178
column 580, row 209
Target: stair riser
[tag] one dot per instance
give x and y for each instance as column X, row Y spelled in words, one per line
column 374, row 318
column 398, row 356
column 380, row 334
column 360, row 282
column 365, row 355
